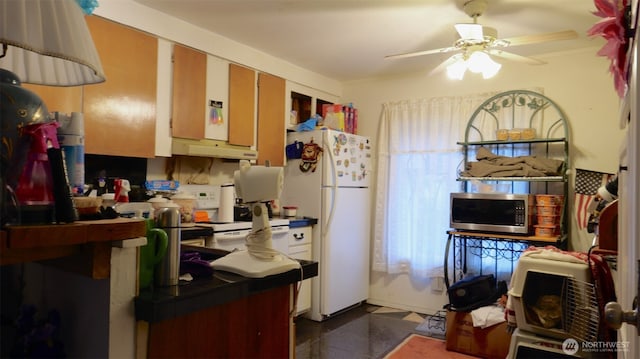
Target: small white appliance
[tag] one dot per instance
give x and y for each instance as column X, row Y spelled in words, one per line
column 335, row 190
column 257, row 185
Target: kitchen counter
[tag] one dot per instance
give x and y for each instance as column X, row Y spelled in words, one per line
column 222, row 316
column 83, row 246
column 223, row 287
column 93, row 266
column 296, row 222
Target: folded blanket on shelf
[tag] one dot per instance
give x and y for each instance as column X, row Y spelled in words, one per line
column 492, row 165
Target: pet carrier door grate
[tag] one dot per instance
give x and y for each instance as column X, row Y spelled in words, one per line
column 580, row 312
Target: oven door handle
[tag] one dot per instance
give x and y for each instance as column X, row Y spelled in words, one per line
column 279, row 230
column 230, row 236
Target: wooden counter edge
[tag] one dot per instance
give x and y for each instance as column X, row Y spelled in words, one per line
column 81, row 247
column 38, row 236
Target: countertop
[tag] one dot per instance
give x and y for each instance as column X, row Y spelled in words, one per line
column 83, row 247
column 154, row 305
column 43, row 236
column 295, row 222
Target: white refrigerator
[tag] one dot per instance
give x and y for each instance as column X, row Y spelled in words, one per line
column 336, row 192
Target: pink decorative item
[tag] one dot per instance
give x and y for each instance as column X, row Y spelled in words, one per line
column 613, row 28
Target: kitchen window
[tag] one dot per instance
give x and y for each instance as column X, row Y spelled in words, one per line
column 418, row 161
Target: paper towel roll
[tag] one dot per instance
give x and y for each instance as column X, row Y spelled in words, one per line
column 227, row 201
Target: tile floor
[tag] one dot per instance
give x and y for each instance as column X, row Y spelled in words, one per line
column 359, row 333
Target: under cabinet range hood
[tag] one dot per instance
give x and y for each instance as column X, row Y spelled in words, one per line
column 211, row 148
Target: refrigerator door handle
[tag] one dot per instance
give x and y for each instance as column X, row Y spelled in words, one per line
column 332, row 208
column 334, row 177
column 331, row 163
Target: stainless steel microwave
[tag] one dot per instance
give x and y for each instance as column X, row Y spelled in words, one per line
column 492, row 212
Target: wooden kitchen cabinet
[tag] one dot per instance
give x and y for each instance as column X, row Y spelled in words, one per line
column 189, row 93
column 304, row 102
column 305, row 107
column 253, row 327
column 271, row 118
column 242, row 94
column 300, row 108
column 120, row 113
column 59, row 99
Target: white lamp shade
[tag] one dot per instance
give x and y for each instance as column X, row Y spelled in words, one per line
column 456, row 70
column 491, row 69
column 49, row 43
column 481, row 62
column 477, row 61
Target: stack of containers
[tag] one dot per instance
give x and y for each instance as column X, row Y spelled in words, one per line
column 548, row 214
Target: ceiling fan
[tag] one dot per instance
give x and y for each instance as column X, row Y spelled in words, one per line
column 478, row 38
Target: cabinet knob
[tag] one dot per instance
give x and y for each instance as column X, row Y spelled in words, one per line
column 298, row 236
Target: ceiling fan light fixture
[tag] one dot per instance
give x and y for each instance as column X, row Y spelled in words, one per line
column 491, row 70
column 470, row 31
column 456, row 70
column 477, row 61
column 481, row 62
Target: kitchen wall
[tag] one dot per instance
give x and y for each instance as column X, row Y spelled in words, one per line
column 577, row 81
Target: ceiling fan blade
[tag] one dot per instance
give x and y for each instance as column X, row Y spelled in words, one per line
column 550, row 36
column 444, row 64
column 421, row 53
column 470, row 31
column 514, row 57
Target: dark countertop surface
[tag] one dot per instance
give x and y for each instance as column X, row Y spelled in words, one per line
column 223, row 287
column 295, row 222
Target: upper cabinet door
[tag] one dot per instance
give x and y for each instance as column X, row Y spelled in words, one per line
column 242, row 94
column 271, row 118
column 120, row 113
column 59, row 99
column 217, row 107
column 189, row 89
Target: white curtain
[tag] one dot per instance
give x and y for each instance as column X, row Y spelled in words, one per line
column 418, row 161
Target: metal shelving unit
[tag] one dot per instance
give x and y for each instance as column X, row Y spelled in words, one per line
column 510, row 110
column 496, row 252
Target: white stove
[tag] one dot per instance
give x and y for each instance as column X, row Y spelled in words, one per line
column 242, row 225
column 231, row 236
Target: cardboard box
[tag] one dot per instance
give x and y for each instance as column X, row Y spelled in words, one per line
column 463, row 337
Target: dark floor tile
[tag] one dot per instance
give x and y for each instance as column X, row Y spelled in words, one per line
column 354, row 334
